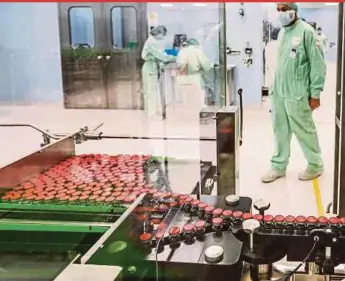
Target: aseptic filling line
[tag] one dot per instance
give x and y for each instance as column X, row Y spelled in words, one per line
column 85, row 217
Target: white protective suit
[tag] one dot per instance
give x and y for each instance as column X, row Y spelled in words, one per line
column 192, row 62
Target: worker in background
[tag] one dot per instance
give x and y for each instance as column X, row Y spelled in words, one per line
column 192, row 63
column 322, row 38
column 298, row 81
column 211, row 47
column 153, row 54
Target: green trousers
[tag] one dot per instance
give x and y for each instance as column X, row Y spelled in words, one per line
column 294, row 116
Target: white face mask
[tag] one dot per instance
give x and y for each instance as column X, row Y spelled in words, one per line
column 159, row 37
column 285, row 18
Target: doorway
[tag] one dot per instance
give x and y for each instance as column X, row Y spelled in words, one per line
column 101, row 45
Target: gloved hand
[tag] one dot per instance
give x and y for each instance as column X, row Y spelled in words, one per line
column 314, row 103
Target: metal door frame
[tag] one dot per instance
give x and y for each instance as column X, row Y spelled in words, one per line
column 141, row 28
column 65, row 27
column 222, row 53
column 65, row 39
column 339, row 153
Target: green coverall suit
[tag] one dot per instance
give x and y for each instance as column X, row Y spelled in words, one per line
column 300, row 75
column 153, row 55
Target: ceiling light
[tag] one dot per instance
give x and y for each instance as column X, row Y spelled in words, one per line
column 331, row 4
column 167, row 5
column 199, row 4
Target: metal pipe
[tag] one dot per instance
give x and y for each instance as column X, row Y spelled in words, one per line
column 100, row 136
column 251, row 242
column 55, row 137
column 260, row 272
column 328, row 253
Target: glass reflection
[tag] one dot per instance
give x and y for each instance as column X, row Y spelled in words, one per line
column 82, row 27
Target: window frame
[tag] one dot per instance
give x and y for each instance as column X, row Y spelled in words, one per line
column 70, row 26
column 122, row 20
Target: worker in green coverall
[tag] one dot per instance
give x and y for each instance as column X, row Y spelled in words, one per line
column 298, row 81
column 153, row 55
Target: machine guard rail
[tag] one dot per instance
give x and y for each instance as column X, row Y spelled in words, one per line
column 92, row 135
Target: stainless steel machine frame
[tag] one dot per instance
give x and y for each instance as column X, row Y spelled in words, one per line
column 228, row 126
column 228, row 144
column 339, row 155
column 228, row 138
column 13, row 174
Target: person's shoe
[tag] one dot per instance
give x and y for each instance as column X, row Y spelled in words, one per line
column 272, row 175
column 309, row 175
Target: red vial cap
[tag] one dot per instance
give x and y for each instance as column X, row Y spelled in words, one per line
column 301, row 219
column 311, row 219
column 237, row 214
column 188, row 200
column 209, row 210
column 116, row 194
column 258, row 217
column 268, row 218
column 174, row 231
column 322, row 220
column 342, row 220
column 334, row 220
column 174, row 204
column 155, row 221
column 290, row 219
column 217, row 221
column 157, row 195
column 120, row 198
column 183, row 197
column 145, row 237
column 188, row 228
column 202, row 205
column 227, row 213
column 279, row 218
column 153, row 191
column 162, row 208
column 195, row 203
column 217, row 212
column 135, row 194
column 247, row 216
column 100, row 199
column 110, row 199
column 200, row 225
column 129, row 199
column 84, row 197
column 167, row 195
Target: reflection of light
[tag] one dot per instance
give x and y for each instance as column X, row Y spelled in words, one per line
column 199, row 4
column 331, row 4
column 167, row 5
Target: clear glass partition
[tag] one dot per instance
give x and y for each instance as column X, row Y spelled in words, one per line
column 141, row 82
column 109, row 67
